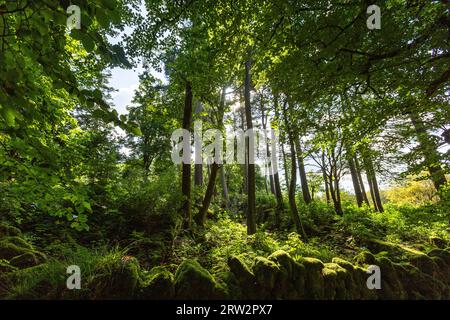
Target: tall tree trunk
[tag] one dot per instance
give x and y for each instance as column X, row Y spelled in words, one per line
column 286, row 171
column 244, row 166
column 324, row 176
column 251, row 187
column 429, row 152
column 361, row 182
column 334, row 195
column 375, row 191
column 276, row 176
column 301, row 168
column 223, row 181
column 186, row 168
column 198, row 167
column 293, row 180
column 209, row 192
column 355, row 180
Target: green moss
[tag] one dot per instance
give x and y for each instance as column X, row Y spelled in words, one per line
column 290, row 282
column 158, row 285
column 330, row 279
column 9, row 250
column 25, row 260
column 243, row 277
column 314, row 282
column 343, row 263
column 344, row 281
column 192, row 281
column 5, row 266
column 391, row 286
column 439, row 242
column 442, row 254
column 241, row 270
column 7, row 230
column 266, row 273
column 365, row 257
column 115, row 277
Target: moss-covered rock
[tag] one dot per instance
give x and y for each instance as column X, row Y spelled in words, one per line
column 343, row 263
column 291, row 279
column 365, row 257
column 11, row 247
column 266, row 274
column 158, row 285
column 28, row 259
column 116, row 278
column 330, row 283
column 7, row 230
column 443, row 254
column 344, row 281
column 391, row 286
column 5, row 266
column 439, row 242
column 243, row 277
column 192, row 281
column 314, row 281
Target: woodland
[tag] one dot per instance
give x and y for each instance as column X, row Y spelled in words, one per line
column 351, row 200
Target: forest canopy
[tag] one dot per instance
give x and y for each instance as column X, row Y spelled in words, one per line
column 272, row 149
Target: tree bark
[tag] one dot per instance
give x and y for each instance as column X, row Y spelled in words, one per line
column 198, row 167
column 209, row 192
column 355, row 180
column 186, row 168
column 361, row 182
column 251, row 187
column 301, row 168
column 223, row 181
column 325, row 180
column 371, row 177
column 293, row 181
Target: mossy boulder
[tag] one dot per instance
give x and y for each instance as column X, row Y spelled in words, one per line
column 20, row 253
column 343, row 263
column 243, row 277
column 7, row 230
column 193, row 282
column 330, row 283
column 433, row 266
column 443, row 254
column 365, row 257
column 439, row 242
column 291, row 280
column 391, row 286
column 28, row 259
column 6, row 267
column 116, row 278
column 314, row 280
column 159, row 284
column 343, row 280
column 266, row 274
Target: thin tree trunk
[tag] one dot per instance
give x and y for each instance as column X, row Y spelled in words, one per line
column 373, row 183
column 198, row 167
column 251, row 187
column 276, row 176
column 224, row 187
column 186, row 168
column 325, row 180
column 301, row 168
column 355, row 180
column 361, row 182
column 293, row 181
column 209, row 192
column 244, row 166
